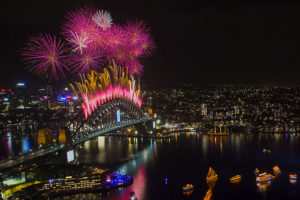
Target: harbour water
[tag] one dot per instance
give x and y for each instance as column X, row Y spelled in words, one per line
column 161, row 167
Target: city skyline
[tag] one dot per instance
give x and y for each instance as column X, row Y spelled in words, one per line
column 236, row 42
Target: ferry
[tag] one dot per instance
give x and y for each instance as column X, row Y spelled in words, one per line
column 222, row 131
column 264, row 177
column 236, row 179
column 211, row 175
column 276, row 170
column 187, row 187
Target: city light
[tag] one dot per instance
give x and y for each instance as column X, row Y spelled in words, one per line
column 21, row 84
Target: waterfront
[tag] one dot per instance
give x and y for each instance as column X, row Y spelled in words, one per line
column 186, row 159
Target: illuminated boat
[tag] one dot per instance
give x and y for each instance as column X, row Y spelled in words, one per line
column 293, row 178
column 220, row 133
column 276, row 170
column 264, row 177
column 211, row 175
column 256, row 171
column 236, row 179
column 267, row 150
column 187, row 187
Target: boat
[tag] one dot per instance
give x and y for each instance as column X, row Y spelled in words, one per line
column 236, row 179
column 211, row 175
column 187, row 187
column 267, row 150
column 256, row 171
column 293, row 178
column 220, row 133
column 276, row 170
column 264, row 177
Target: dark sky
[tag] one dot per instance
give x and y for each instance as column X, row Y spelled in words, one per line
column 199, row 41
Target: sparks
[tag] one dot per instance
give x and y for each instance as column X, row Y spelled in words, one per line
column 79, row 41
column 103, row 19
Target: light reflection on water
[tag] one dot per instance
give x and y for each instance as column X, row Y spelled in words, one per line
column 186, row 157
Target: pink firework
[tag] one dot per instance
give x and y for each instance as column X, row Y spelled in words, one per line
column 120, row 55
column 115, row 37
column 86, row 61
column 79, row 25
column 135, row 68
column 99, row 40
column 147, row 45
column 103, row 19
column 46, row 56
column 135, row 52
column 136, row 32
column 139, row 39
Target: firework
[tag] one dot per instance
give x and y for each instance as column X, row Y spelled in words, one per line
column 79, row 42
column 103, row 19
column 147, row 45
column 115, row 38
column 139, row 39
column 96, row 88
column 85, row 62
column 135, row 68
column 136, row 31
column 46, row 56
column 79, row 27
column 93, row 40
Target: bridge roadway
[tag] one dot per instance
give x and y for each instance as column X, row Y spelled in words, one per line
column 102, row 131
column 20, row 159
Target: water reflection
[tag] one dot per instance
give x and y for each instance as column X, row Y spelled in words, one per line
column 186, row 157
column 8, row 145
column 26, row 144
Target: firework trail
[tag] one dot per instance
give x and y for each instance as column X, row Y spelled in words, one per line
column 46, row 56
column 103, row 19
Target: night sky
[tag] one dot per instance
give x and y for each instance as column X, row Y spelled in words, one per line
column 221, row 41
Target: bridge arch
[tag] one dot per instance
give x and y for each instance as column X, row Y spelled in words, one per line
column 104, row 118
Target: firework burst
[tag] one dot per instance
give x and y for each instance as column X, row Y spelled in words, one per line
column 136, row 32
column 85, row 62
column 103, row 19
column 135, row 68
column 147, row 45
column 46, row 56
column 92, row 40
column 79, row 24
column 79, row 42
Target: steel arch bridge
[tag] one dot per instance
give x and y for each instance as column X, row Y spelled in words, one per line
column 104, row 119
